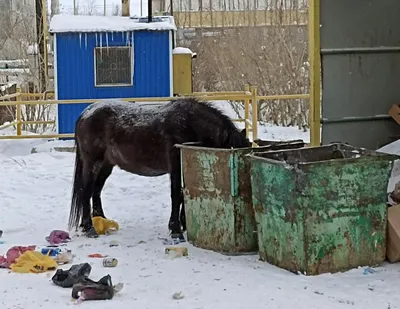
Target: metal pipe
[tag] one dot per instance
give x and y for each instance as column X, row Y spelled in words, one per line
column 314, row 42
column 45, row 43
column 283, row 97
column 355, row 119
column 172, row 14
column 5, row 126
column 39, row 122
column 143, row 99
column 46, row 93
column 254, row 112
column 125, row 6
column 360, row 50
column 150, row 11
column 10, row 96
column 36, row 136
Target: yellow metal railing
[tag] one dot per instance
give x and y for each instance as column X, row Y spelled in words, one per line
column 248, row 97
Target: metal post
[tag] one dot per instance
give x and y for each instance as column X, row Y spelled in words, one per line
column 74, row 7
column 149, row 11
column 46, row 51
column 18, row 117
column 105, row 9
column 254, row 113
column 315, row 72
column 246, row 112
column 41, row 41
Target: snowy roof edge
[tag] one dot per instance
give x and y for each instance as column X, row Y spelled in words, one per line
column 82, row 23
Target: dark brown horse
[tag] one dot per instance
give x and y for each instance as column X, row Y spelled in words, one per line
column 140, row 140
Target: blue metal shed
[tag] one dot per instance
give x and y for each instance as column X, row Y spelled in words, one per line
column 98, row 57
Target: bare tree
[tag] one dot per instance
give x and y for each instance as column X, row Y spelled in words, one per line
column 55, row 7
column 116, row 10
column 273, row 57
column 20, row 44
column 90, row 7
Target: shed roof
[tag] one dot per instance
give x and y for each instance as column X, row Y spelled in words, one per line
column 82, row 23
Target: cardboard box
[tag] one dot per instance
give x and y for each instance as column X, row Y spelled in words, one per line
column 393, row 239
column 395, row 112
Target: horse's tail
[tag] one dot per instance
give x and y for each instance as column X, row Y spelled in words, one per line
column 77, row 190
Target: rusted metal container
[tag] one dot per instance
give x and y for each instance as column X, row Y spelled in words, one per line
column 321, row 209
column 217, row 196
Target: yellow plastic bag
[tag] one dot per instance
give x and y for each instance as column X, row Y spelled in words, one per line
column 33, row 262
column 103, row 226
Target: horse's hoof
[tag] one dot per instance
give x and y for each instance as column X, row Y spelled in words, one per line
column 91, row 233
column 179, row 236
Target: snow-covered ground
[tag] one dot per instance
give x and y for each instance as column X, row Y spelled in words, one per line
column 34, row 199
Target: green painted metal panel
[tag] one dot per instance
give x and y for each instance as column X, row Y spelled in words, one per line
column 217, row 197
column 321, row 209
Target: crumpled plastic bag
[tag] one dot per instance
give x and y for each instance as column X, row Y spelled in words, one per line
column 92, row 290
column 13, row 253
column 57, row 237
column 67, row 278
column 104, row 226
column 33, row 262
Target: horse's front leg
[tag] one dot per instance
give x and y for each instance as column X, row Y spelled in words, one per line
column 183, row 213
column 98, row 185
column 176, row 196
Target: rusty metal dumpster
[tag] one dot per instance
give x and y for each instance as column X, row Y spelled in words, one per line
column 217, row 196
column 321, row 209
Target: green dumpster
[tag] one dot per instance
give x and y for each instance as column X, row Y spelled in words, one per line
column 321, row 209
column 217, row 196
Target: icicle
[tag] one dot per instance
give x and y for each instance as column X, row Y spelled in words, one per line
column 80, row 40
column 101, row 44
column 96, row 39
column 112, row 35
column 85, row 40
column 131, row 53
column 127, row 38
column 107, row 40
column 131, row 43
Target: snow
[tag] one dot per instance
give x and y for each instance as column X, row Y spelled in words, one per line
column 393, row 148
column 35, row 196
column 182, row 50
column 14, row 72
column 13, row 63
column 34, row 50
column 81, row 23
column 5, row 87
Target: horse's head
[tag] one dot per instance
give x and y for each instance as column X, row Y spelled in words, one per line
column 238, row 139
column 244, row 140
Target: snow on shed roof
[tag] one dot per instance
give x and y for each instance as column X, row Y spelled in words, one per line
column 82, row 23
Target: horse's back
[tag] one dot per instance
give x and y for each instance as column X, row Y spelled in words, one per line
column 110, row 107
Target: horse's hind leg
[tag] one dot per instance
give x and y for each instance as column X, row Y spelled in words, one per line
column 88, row 173
column 98, row 185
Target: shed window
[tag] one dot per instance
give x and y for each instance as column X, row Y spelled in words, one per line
column 113, row 66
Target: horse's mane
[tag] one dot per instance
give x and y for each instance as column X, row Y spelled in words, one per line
column 207, row 119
